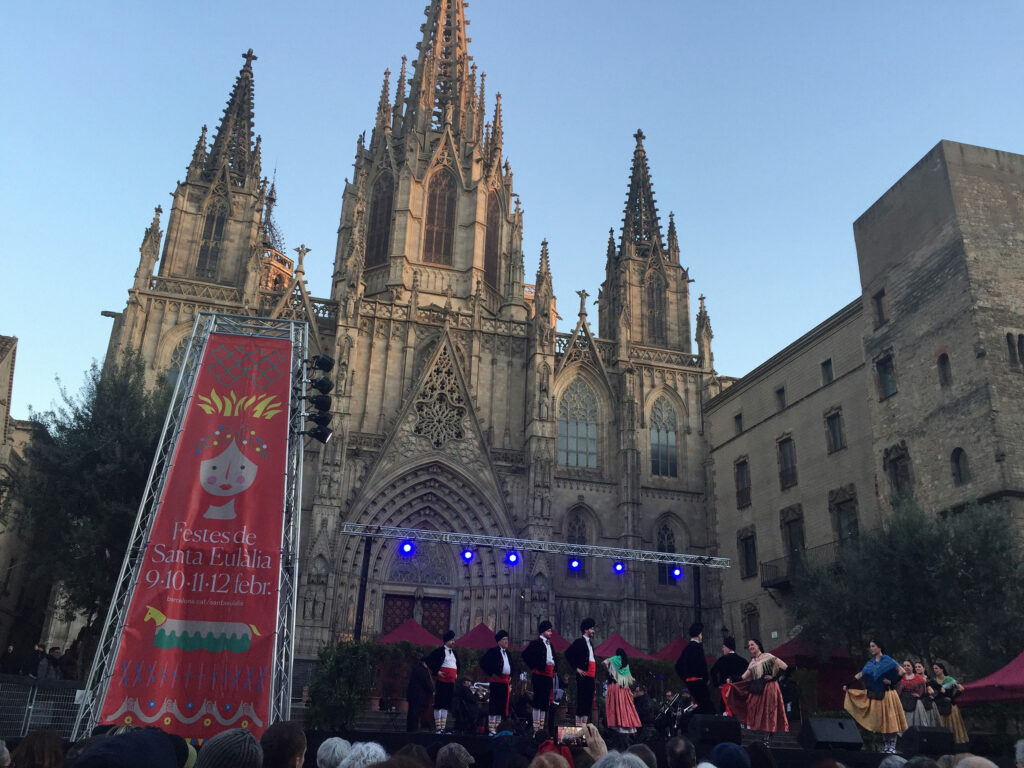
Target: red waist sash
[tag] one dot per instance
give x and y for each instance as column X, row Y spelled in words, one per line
column 447, row 675
column 548, row 671
column 500, row 679
column 591, row 669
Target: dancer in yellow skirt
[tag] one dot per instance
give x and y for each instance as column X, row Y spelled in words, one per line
column 948, row 689
column 877, row 708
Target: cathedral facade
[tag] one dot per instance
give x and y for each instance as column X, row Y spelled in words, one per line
column 458, row 406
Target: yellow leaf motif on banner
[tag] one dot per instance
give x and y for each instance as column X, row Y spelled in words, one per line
column 257, row 406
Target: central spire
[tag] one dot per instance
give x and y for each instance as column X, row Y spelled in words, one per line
column 233, row 145
column 440, row 91
column 640, row 225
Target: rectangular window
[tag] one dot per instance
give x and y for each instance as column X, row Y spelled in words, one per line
column 787, row 463
column 827, row 376
column 834, row 431
column 741, row 470
column 737, row 420
column 752, row 624
column 886, row 375
column 793, row 536
column 881, row 306
column 846, row 521
column 780, row 397
column 747, row 546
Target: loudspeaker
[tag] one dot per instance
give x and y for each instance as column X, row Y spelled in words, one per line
column 830, row 733
column 713, row 729
column 925, row 740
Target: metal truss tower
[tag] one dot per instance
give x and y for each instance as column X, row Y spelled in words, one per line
column 102, row 669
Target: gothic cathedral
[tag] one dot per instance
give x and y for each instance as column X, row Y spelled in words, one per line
column 458, row 405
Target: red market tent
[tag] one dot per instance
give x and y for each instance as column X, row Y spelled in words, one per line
column 558, row 643
column 481, row 637
column 833, row 671
column 1002, row 685
column 410, row 631
column 609, row 646
column 800, row 652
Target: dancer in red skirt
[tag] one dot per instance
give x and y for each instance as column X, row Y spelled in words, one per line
column 619, row 707
column 756, row 698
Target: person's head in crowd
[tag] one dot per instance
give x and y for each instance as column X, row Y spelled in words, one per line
column 237, row 748
column 680, row 753
column 760, row 755
column 515, row 760
column 921, row 761
column 945, row 761
column 5, row 756
column 150, row 747
column 729, row 755
column 400, row 761
column 364, row 753
column 506, row 725
column 728, row 645
column 332, row 752
column 416, row 752
column 549, row 760
column 449, row 638
column 975, row 761
column 284, row 745
column 40, row 749
column 616, row 741
column 123, row 728
column 697, row 631
column 453, row 755
column 645, row 753
column 616, row 759
column 892, row 761
column 1018, row 753
column 581, row 758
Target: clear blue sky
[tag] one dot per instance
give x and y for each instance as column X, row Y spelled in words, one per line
column 770, row 127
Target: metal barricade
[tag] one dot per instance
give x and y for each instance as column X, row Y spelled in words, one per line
column 27, row 704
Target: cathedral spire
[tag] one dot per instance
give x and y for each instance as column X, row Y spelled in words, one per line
column 494, row 150
column 383, row 104
column 673, row 239
column 233, row 144
column 703, row 337
column 198, row 154
column 439, row 90
column 640, row 224
column 396, row 112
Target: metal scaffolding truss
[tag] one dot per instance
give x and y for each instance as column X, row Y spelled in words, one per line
column 102, row 669
column 534, row 545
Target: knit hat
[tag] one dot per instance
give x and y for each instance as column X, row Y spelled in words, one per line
column 730, row 643
column 587, row 623
column 729, row 755
column 236, row 748
column 544, row 626
column 453, row 755
column 500, row 635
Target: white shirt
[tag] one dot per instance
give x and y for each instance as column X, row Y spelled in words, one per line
column 505, row 668
column 549, row 659
column 590, row 648
column 449, row 659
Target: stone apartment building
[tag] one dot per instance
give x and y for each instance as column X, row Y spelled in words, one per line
column 915, row 387
column 458, row 406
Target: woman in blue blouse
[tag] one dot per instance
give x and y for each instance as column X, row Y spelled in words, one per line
column 877, row 708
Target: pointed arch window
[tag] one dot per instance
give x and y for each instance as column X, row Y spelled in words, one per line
column 318, row 571
column 379, row 233
column 209, row 248
column 577, row 426
column 491, row 242
column 663, row 439
column 576, row 533
column 958, row 465
column 656, row 309
column 439, row 231
column 666, row 543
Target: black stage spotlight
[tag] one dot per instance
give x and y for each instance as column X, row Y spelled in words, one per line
column 323, row 434
column 323, row 385
column 321, row 363
column 320, row 419
column 320, row 402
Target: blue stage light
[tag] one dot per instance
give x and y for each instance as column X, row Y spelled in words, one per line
column 677, row 572
column 467, row 555
column 406, row 547
column 619, row 567
column 574, row 563
column 512, row 558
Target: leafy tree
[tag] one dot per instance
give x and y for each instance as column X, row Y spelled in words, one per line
column 338, row 690
column 936, row 587
column 86, row 472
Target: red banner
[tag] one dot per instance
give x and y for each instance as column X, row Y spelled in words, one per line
column 196, row 656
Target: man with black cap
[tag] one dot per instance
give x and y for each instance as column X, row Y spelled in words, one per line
column 730, row 666
column 498, row 666
column 540, row 658
column 692, row 668
column 580, row 655
column 443, row 664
